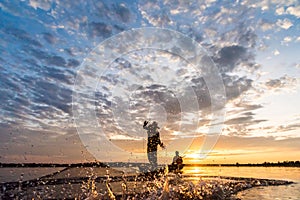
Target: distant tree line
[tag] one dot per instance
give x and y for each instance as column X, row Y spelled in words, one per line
column 122, row 164
column 22, row 165
column 282, row 164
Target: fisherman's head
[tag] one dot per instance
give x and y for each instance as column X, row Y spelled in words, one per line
column 154, row 124
column 177, row 153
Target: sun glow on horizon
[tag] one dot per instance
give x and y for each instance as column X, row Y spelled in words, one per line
column 196, row 171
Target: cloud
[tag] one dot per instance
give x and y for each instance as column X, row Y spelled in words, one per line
column 239, row 120
column 294, row 10
column 247, row 107
column 287, row 39
column 73, row 63
column 116, row 115
column 50, row 59
column 56, row 60
column 284, row 24
column 289, row 127
column 247, row 38
column 47, row 58
column 59, row 75
column 235, row 85
column 126, row 98
column 245, row 119
column 276, row 52
column 53, row 95
column 22, row 36
column 153, row 13
column 282, row 82
column 123, row 63
column 240, row 35
column 291, row 10
column 30, row 102
column 280, row 11
column 266, row 25
column 123, row 12
column 228, row 57
column 93, row 21
column 50, row 38
column 42, row 4
column 100, row 29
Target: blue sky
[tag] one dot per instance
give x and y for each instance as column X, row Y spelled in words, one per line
column 254, row 45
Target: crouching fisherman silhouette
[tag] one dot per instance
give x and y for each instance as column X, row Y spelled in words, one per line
column 153, row 142
column 177, row 163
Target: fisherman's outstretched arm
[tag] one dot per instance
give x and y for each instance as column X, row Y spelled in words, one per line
column 145, row 125
column 160, row 142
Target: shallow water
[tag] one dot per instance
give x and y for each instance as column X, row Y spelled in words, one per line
column 263, row 193
column 23, row 174
column 291, row 192
column 285, row 173
column 190, row 174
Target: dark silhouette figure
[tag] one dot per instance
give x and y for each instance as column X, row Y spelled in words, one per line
column 153, row 142
column 177, row 163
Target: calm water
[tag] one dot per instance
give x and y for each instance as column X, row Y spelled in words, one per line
column 18, row 174
column 264, row 193
column 286, row 173
column 291, row 192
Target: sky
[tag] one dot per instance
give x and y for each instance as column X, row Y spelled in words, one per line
column 65, row 97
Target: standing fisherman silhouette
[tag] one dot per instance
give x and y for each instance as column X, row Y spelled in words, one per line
column 153, row 142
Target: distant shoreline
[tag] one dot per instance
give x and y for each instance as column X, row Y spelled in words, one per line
column 123, row 164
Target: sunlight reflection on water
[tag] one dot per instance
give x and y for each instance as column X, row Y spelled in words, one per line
column 286, row 173
column 263, row 193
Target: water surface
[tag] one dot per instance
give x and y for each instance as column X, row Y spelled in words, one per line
column 194, row 174
column 264, row 193
column 23, row 174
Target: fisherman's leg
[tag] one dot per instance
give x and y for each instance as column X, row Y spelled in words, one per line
column 155, row 159
column 149, row 157
column 152, row 157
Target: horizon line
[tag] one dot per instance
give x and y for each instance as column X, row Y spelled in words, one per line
column 135, row 164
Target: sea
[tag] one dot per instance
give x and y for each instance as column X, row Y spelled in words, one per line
column 291, row 192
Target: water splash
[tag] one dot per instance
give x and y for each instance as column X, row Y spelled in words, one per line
column 124, row 187
column 162, row 186
column 89, row 188
column 108, row 187
column 166, row 190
